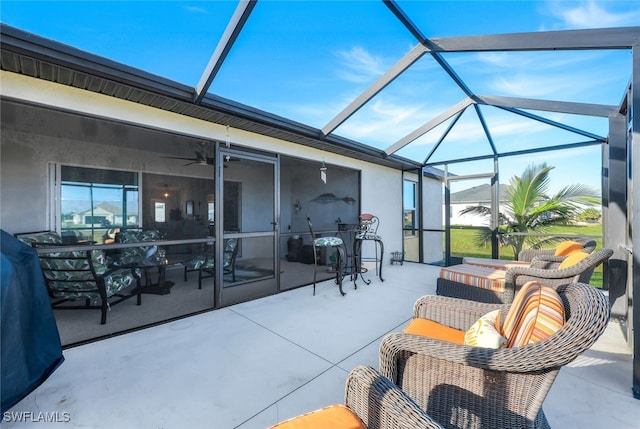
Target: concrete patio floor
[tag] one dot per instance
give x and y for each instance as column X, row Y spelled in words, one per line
column 254, row 364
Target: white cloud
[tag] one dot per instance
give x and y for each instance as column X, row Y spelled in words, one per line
column 499, row 59
column 493, row 61
column 533, row 86
column 580, row 76
column 593, row 14
column 359, row 65
column 385, row 122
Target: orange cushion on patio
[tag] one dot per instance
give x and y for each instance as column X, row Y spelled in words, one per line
column 333, row 416
column 573, row 259
column 435, row 330
column 537, row 312
column 475, row 275
column 566, row 248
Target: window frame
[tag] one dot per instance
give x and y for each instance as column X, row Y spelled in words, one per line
column 56, row 185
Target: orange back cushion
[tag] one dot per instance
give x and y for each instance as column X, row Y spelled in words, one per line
column 333, row 416
column 566, row 248
column 537, row 312
column 435, row 330
column 573, row 259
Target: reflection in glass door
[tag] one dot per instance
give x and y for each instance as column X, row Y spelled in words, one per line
column 247, row 223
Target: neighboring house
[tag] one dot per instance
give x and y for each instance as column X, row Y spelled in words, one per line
column 103, row 214
column 472, row 197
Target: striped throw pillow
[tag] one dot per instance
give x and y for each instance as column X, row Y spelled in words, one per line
column 537, row 313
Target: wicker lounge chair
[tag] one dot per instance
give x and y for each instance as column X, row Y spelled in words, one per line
column 371, row 401
column 476, row 387
column 485, row 284
column 525, row 257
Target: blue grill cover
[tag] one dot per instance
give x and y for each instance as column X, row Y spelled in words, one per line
column 30, row 342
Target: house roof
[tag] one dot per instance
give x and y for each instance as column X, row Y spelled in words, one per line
column 109, row 208
column 480, row 194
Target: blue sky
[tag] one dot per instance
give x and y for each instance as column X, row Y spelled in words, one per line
column 306, row 60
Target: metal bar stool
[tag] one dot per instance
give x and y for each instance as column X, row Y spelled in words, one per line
column 327, row 242
column 368, row 232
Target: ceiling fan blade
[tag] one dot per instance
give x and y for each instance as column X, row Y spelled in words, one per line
column 180, row 157
column 197, row 160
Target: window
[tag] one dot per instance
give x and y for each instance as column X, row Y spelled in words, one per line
column 160, row 211
column 211, row 209
column 93, row 201
column 410, row 202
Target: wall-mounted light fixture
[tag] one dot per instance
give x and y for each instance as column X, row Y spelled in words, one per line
column 166, row 192
column 297, row 207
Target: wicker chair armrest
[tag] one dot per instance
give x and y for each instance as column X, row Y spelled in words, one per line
column 589, row 246
column 397, row 344
column 547, row 262
column 453, row 312
column 380, row 403
column 512, row 275
column 590, row 262
column 527, row 255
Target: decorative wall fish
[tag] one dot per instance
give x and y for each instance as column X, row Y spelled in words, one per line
column 349, row 200
column 325, row 199
column 331, row 198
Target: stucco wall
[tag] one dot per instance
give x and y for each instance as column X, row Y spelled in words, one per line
column 29, row 144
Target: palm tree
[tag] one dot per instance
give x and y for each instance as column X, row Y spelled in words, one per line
column 529, row 208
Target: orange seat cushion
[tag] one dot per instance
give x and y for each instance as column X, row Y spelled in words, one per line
column 333, row 416
column 537, row 312
column 435, row 330
column 573, row 259
column 566, row 248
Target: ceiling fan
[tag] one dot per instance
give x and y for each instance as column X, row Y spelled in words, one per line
column 200, row 157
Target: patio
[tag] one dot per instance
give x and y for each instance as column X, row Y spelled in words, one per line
column 253, row 364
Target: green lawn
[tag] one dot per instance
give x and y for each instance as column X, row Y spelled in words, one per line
column 463, row 244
